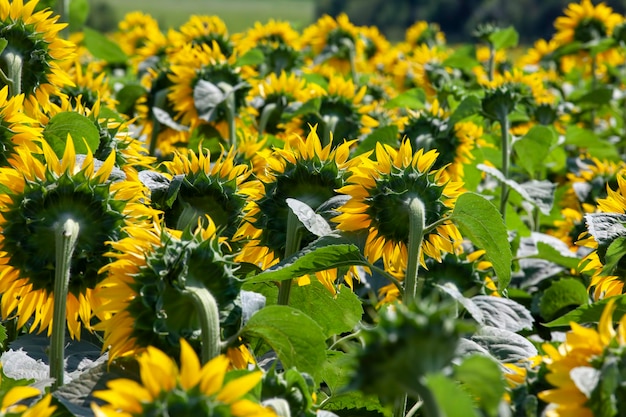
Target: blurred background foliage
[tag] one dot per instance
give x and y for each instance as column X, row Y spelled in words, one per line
column 533, row 19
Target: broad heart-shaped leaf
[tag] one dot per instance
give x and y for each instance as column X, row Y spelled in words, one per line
column 504, row 345
column 103, row 48
column 603, row 399
column 451, row 289
column 606, row 227
column 533, row 148
column 79, row 10
column 566, row 293
column 413, row 99
column 253, row 57
column 451, row 399
column 3, row 44
column 614, row 254
column 463, row 58
column 331, row 251
column 590, row 313
column 355, row 403
column 482, row 378
column 585, row 378
column 312, row 221
column 595, row 146
column 597, row 97
column 128, row 96
column 334, row 314
column 504, row 38
column 468, row 107
column 549, row 248
column 479, row 221
column 83, row 131
column 295, row 337
column 386, row 135
column 504, row 313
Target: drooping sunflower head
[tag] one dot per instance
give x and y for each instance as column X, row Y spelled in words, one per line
column 135, row 30
column 13, row 398
column 203, row 79
column 423, row 32
column 380, row 191
column 203, row 31
column 188, row 389
column 201, row 187
column 274, row 98
column 89, row 86
column 342, row 111
column 40, row 192
column 583, row 22
column 412, row 67
column 16, row 128
column 147, row 302
column 277, row 40
column 303, row 170
column 31, row 58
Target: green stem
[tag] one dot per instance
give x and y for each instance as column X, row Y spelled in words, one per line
column 230, row 118
column 66, row 236
column 208, row 312
column 492, row 61
column 506, row 160
column 160, row 100
column 429, row 405
column 292, row 244
column 13, row 78
column 417, row 223
column 399, row 406
column 266, row 114
column 594, row 82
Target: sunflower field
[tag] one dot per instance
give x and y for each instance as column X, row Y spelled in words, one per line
column 315, row 222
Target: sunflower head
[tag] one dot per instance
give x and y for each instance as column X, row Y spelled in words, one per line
column 148, row 303
column 427, row 33
column 16, row 128
column 203, row 31
column 167, row 388
column 583, row 22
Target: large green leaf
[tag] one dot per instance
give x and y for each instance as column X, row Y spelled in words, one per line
column 534, row 147
column 83, row 131
column 480, row 221
column 590, row 313
column 103, row 48
column 468, row 107
column 588, row 140
column 414, row 99
column 386, row 135
column 335, row 314
column 78, row 13
column 451, row 400
column 327, row 252
column 296, row 338
column 566, row 293
column 482, row 378
column 504, row 38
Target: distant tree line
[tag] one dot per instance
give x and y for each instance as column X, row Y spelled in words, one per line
column 533, row 19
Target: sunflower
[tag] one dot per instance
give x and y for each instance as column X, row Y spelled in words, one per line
column 412, row 67
column 422, row 32
column 191, row 389
column 146, row 301
column 89, row 85
column 16, row 128
column 584, row 22
column 273, row 98
column 30, row 61
column 304, row 170
column 204, row 32
column 135, row 30
column 38, row 193
column 277, row 40
column 202, row 73
column 605, row 285
column 380, row 190
column 431, row 129
column 203, row 187
column 12, row 400
column 583, row 348
column 342, row 114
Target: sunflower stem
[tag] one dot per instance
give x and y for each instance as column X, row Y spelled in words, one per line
column 292, row 243
column 594, row 82
column 66, row 236
column 492, row 61
column 417, row 223
column 209, row 315
column 506, row 159
column 230, row 118
column 15, row 65
column 160, row 100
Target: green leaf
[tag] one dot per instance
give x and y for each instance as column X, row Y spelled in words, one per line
column 482, row 379
column 566, row 293
column 78, row 13
column 444, row 390
column 386, row 135
column 589, row 141
column 504, row 345
column 614, row 254
column 336, row 371
column 127, row 96
column 503, row 313
column 470, row 106
column 597, row 97
column 253, row 57
column 463, row 58
column 534, row 147
column 103, row 48
column 480, row 221
column 3, row 44
column 414, row 99
column 549, row 253
column 334, row 314
column 606, row 227
column 312, row 221
column 83, row 131
column 311, row 106
column 591, row 313
column 295, row 337
column 355, row 403
column 504, row 38
column 328, row 252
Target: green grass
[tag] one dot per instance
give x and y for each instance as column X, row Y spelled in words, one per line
column 237, row 14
